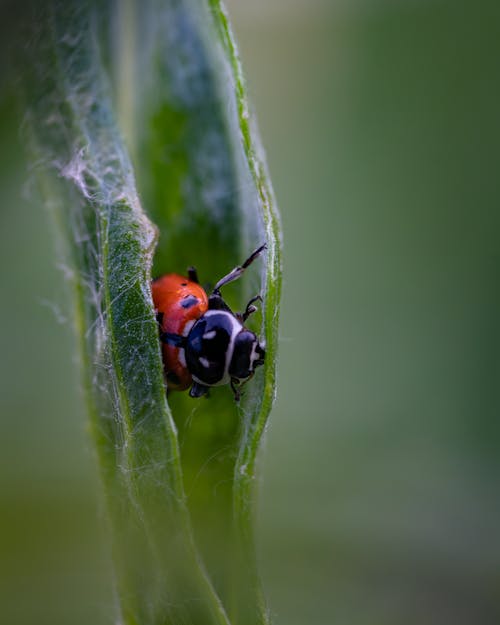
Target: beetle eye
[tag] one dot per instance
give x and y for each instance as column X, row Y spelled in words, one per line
column 261, row 353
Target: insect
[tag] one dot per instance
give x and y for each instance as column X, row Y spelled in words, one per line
column 204, row 343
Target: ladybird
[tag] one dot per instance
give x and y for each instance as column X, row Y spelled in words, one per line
column 204, row 343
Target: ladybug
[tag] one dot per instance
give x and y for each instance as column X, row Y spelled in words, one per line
column 204, row 343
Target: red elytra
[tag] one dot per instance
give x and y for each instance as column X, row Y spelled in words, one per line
column 179, row 302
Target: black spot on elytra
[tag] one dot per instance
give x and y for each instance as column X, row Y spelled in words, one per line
column 189, row 301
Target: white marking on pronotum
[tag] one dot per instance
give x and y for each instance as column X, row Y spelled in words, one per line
column 210, row 335
column 204, row 362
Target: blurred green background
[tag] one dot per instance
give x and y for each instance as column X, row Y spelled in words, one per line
column 379, row 499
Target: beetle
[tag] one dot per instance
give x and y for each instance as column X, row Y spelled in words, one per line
column 204, row 343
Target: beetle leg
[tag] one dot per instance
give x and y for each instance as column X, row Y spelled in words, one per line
column 198, row 390
column 159, row 318
column 250, row 309
column 172, row 378
column 236, row 391
column 237, row 271
column 173, row 339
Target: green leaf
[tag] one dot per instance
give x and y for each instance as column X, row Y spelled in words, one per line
column 202, row 175
column 179, row 479
column 110, row 242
